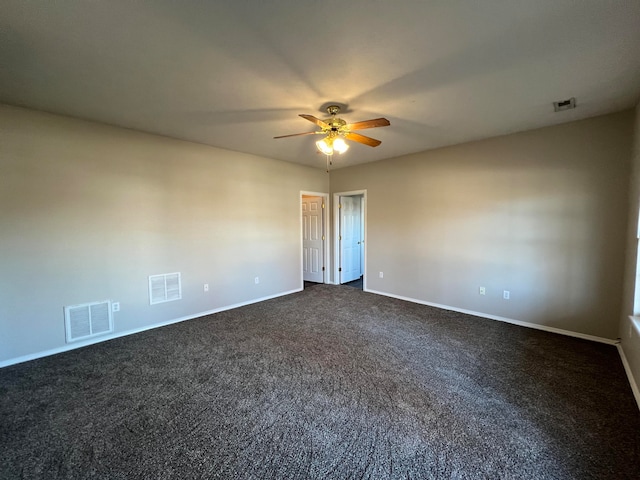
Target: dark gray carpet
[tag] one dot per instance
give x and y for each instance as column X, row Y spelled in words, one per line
column 328, row 383
column 355, row 284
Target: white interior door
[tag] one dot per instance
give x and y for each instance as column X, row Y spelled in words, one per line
column 350, row 241
column 312, row 243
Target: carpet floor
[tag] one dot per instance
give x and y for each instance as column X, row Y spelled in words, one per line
column 328, row 383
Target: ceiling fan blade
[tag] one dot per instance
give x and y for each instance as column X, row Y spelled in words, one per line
column 356, row 137
column 376, row 122
column 315, row 120
column 297, row 134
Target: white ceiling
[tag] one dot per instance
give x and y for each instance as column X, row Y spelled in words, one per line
column 235, row 73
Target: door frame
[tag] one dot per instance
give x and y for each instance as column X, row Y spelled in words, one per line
column 336, row 234
column 327, row 232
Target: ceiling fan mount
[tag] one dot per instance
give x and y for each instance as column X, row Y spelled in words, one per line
column 333, row 109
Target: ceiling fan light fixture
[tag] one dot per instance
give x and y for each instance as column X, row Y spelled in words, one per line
column 325, row 146
column 340, row 145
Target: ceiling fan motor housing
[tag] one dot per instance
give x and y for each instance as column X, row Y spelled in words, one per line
column 335, row 123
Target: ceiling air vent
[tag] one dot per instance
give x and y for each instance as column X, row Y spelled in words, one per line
column 564, row 105
column 87, row 320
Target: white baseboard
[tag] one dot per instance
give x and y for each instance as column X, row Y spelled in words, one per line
column 66, row 348
column 501, row 319
column 627, row 369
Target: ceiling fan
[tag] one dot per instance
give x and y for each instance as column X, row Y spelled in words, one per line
column 336, row 130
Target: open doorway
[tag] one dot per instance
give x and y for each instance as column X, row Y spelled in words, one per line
column 314, row 225
column 350, row 244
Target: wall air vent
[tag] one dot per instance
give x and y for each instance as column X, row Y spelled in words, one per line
column 564, row 105
column 87, row 320
column 164, row 288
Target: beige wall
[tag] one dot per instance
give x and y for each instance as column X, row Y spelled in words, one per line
column 630, row 334
column 88, row 212
column 542, row 214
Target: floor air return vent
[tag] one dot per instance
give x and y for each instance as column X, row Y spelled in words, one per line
column 87, row 320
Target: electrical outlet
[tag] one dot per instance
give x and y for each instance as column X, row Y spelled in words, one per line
column 115, row 307
column 506, row 294
column 257, row 280
column 482, row 291
column 381, row 275
column 206, row 287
